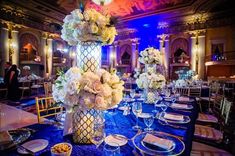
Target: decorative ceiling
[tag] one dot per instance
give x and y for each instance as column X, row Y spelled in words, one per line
column 127, row 8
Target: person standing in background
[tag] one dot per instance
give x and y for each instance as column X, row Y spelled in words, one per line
column 13, row 84
column 7, row 73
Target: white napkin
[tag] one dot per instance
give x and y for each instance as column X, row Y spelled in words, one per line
column 160, row 142
column 186, row 99
column 178, row 105
column 174, row 117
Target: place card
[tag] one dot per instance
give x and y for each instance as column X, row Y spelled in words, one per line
column 157, row 141
column 178, row 105
column 186, row 99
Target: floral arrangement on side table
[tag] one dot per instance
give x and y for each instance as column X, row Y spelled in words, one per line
column 150, row 56
column 100, row 90
column 89, row 25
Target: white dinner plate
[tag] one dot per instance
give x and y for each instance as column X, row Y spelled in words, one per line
column 34, row 146
column 115, row 140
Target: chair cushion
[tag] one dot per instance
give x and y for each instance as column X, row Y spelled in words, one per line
column 208, row 133
column 207, row 99
column 36, row 86
column 24, row 88
column 207, row 118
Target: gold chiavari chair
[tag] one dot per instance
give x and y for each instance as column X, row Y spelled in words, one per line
column 47, row 107
column 184, row 91
column 196, row 92
column 216, row 111
column 47, row 88
column 210, row 134
column 213, row 91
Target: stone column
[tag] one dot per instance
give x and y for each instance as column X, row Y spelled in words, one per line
column 133, row 56
column 201, row 54
column 164, row 49
column 193, row 53
column 4, row 50
column 15, row 46
column 47, row 56
column 112, row 56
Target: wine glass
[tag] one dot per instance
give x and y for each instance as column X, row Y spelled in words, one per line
column 174, row 90
column 111, row 149
column 97, row 133
column 132, row 93
column 137, row 110
column 148, row 121
column 157, row 99
column 167, row 93
column 164, row 107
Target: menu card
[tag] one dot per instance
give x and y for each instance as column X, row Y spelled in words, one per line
column 173, row 117
column 157, row 141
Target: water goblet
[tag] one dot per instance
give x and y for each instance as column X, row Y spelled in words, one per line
column 167, row 93
column 97, row 133
column 137, row 110
column 132, row 93
column 148, row 121
column 111, row 149
column 164, row 107
column 157, row 99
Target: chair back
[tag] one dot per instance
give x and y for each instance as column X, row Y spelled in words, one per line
column 195, row 91
column 26, row 84
column 47, row 107
column 218, row 105
column 226, row 110
column 47, row 88
column 214, row 88
column 183, row 91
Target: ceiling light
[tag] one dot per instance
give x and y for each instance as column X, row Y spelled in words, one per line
column 102, row 2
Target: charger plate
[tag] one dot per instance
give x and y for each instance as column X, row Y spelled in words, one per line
column 177, row 148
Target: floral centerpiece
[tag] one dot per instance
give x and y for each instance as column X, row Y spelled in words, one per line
column 151, row 79
column 185, row 77
column 150, row 56
column 83, row 92
column 88, row 90
column 89, row 25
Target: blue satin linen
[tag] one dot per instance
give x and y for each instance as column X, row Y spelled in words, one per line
column 114, row 124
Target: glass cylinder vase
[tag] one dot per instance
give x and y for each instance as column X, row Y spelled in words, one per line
column 88, row 59
column 89, row 56
column 82, row 124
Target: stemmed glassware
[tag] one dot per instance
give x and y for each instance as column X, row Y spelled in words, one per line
column 132, row 93
column 164, row 107
column 157, row 99
column 111, row 149
column 148, row 122
column 97, row 132
column 137, row 110
column 167, row 93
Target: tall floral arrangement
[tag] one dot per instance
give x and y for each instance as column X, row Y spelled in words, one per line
column 89, row 25
column 150, row 56
column 99, row 90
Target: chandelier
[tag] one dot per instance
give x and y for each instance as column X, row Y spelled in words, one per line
column 102, row 2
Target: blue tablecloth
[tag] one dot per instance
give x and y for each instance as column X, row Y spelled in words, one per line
column 118, row 124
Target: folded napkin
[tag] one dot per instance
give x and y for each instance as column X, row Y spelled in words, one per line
column 178, row 105
column 173, row 117
column 5, row 137
column 160, row 142
column 186, row 99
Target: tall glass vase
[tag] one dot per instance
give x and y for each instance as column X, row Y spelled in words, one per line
column 88, row 59
column 89, row 56
column 148, row 92
column 82, row 124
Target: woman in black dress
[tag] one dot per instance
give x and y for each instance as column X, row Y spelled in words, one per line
column 13, row 84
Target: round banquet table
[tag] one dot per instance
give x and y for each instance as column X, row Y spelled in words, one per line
column 115, row 123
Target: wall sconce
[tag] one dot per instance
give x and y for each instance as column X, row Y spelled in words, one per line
column 102, row 2
column 10, row 44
